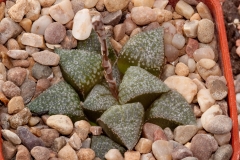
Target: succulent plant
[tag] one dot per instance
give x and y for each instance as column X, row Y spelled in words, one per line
column 123, row 123
column 60, row 98
column 98, row 100
column 170, row 110
column 138, row 85
column 146, row 50
column 82, row 69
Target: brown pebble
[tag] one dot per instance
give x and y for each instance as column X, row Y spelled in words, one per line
column 22, row 153
column 46, row 58
column 17, row 75
column 54, row 33
column 10, row 89
column 12, row 44
column 119, row 31
column 85, row 154
column 130, row 26
column 20, row 63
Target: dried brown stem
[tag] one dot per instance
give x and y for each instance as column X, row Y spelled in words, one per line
column 99, row 28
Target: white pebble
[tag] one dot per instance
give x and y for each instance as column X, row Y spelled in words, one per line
column 39, row 26
column 82, row 25
column 178, row 41
column 62, row 12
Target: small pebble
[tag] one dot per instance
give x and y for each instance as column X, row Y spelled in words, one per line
column 8, row 150
column 223, row 152
column 82, row 25
column 152, row 131
column 58, row 144
column 67, row 152
column 86, row 143
column 34, row 9
column 21, row 118
column 112, row 18
column 33, row 40
column 181, row 69
column 219, row 124
column 205, row 31
column 20, row 63
column 180, row 152
column 113, row 154
column 129, row 26
column 203, row 145
column 178, row 41
column 26, row 24
column 8, row 32
column 40, row 153
column 143, row 15
column 171, row 52
column 183, row 134
column 62, row 12
column 28, row 139
column 188, row 90
column 17, row 54
column 11, row 136
column 86, row 154
column 46, row 58
column 10, row 89
column 48, row 136
column 113, row 6
column 27, row 90
column 54, row 33
column 15, row 105
column 61, row 123
column 41, row 71
column 33, row 121
column 204, row 11
column 223, row 138
column 132, row 155
column 148, row 156
column 39, row 26
column 46, row 3
column 190, row 28
column 144, row 145
column 205, row 73
column 12, row 44
column 218, row 90
column 184, row 9
column 23, row 153
column 96, row 130
column 17, row 75
column 205, row 99
column 162, row 149
column 119, row 31
column 75, row 142
column 191, row 47
column 17, row 11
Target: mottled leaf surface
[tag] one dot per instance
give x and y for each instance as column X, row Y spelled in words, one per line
column 60, row 98
column 170, row 110
column 97, row 101
column 102, row 144
column 82, row 69
column 138, row 85
column 91, row 44
column 123, row 123
column 146, row 50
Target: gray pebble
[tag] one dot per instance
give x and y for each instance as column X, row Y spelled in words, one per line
column 27, row 90
column 41, row 71
column 28, row 139
column 54, row 33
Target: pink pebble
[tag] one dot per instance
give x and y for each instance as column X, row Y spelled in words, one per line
column 192, row 46
column 238, row 51
column 238, row 27
column 238, row 42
